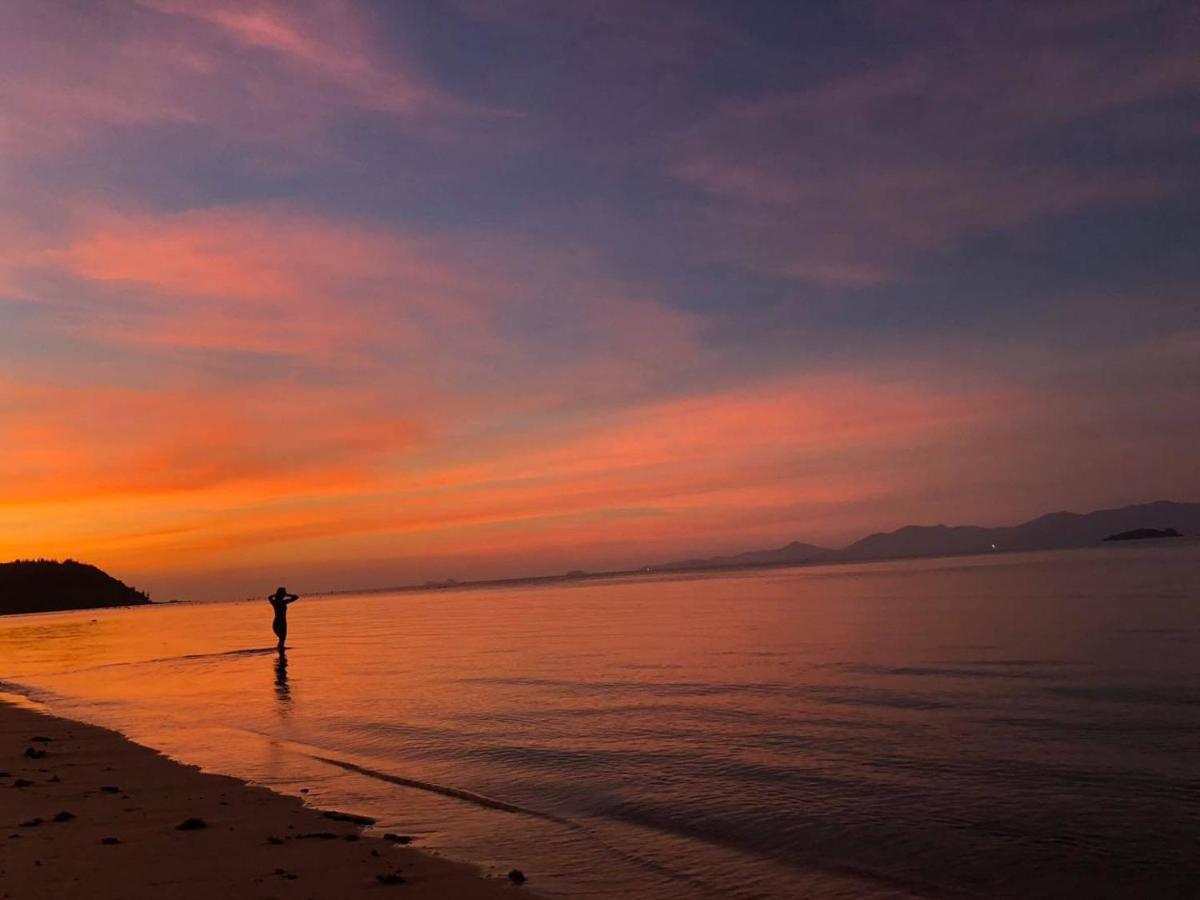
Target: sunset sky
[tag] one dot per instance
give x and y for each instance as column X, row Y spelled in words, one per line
column 354, row 294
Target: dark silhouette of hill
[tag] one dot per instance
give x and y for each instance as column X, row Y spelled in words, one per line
column 42, row 585
column 1049, row 532
column 795, row 552
column 1059, row 530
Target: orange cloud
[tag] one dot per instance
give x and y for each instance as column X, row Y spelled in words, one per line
column 83, row 443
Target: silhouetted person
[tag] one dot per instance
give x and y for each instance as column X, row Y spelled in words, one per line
column 279, row 602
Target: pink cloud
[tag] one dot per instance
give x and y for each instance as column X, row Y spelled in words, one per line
column 261, row 74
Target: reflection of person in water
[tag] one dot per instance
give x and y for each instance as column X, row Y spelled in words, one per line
column 279, row 602
column 282, row 691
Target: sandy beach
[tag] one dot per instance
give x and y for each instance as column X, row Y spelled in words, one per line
column 87, row 812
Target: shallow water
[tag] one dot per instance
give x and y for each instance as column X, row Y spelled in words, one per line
column 1024, row 725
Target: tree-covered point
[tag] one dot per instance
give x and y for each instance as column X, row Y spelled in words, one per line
column 42, row 585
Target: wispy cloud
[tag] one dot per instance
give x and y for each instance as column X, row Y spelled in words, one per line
column 261, row 74
column 849, row 179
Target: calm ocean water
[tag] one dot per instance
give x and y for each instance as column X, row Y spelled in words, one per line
column 1024, row 725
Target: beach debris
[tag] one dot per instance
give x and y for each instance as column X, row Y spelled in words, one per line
column 110, row 789
column 284, row 873
column 348, row 817
column 64, row 816
column 398, row 838
column 391, row 878
column 317, row 835
column 272, row 839
column 110, row 840
column 39, row 739
column 516, row 876
column 34, row 753
column 31, row 823
column 22, row 782
column 304, row 790
column 192, row 824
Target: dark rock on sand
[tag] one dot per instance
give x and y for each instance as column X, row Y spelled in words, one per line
column 516, row 876
column 317, row 835
column 390, row 878
column 192, row 824
column 64, row 816
column 398, row 838
column 34, row 753
column 110, row 840
column 348, row 817
column 31, row 823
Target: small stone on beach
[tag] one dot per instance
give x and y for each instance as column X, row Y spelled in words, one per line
column 64, row 816
column 516, row 876
column 390, row 878
column 30, row 823
column 34, row 753
column 398, row 838
column 110, row 840
column 348, row 817
column 192, row 824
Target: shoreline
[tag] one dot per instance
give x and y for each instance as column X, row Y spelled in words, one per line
column 88, row 809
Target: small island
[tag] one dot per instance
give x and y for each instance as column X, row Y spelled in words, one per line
column 1141, row 534
column 45, row 585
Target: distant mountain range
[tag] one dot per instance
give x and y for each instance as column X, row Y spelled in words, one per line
column 1053, row 531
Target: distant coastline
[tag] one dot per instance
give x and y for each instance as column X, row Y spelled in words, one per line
column 1053, row 531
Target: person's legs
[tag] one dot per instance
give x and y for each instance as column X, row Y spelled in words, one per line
column 280, row 629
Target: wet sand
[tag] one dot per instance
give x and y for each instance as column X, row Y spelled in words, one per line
column 86, row 812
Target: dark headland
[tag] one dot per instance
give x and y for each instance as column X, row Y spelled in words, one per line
column 44, row 585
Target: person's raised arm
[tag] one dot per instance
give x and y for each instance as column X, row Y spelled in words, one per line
column 291, row 598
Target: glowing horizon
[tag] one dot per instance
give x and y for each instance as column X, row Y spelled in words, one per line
column 342, row 294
